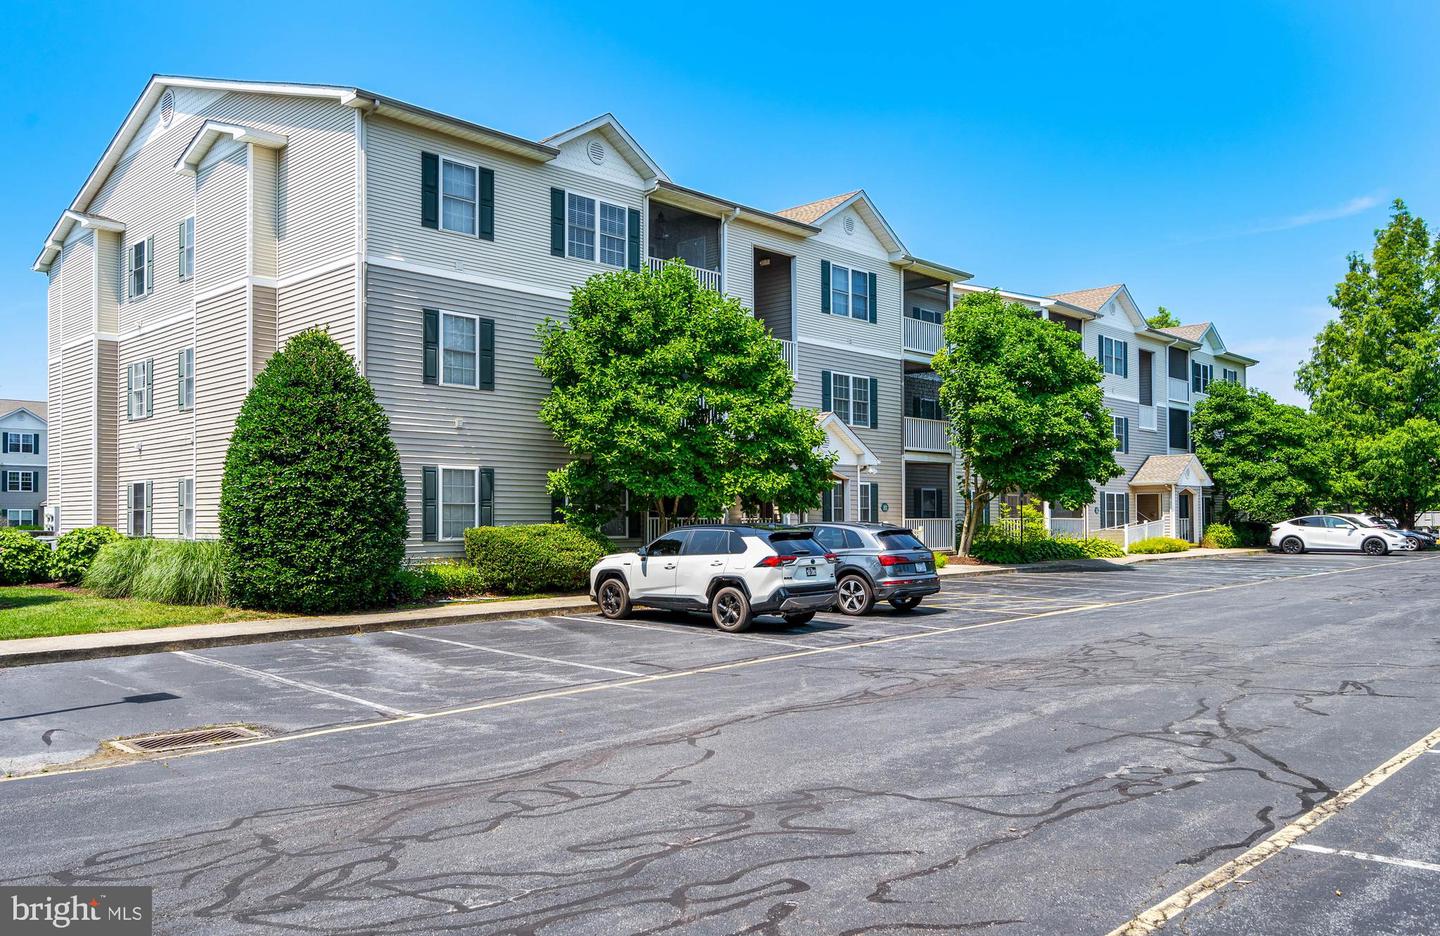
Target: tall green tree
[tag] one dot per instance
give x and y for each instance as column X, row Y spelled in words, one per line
column 1024, row 407
column 675, row 393
column 1269, row 460
column 1373, row 376
column 1163, row 318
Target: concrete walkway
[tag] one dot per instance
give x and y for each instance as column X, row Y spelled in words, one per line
column 29, row 651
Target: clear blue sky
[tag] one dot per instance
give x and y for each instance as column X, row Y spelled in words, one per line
column 1220, row 159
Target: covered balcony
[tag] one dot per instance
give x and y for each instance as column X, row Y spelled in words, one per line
column 930, row 502
column 677, row 233
column 925, row 301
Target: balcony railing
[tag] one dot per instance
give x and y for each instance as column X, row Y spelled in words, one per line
column 925, row 435
column 1179, row 389
column 1147, row 417
column 936, row 533
column 791, row 353
column 710, row 279
column 925, row 337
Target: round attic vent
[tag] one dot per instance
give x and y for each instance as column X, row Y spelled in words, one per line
column 167, row 107
column 849, row 225
column 596, row 149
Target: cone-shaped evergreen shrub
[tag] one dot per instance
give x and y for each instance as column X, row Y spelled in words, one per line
column 312, row 503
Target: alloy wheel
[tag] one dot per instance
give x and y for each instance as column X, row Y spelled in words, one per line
column 727, row 607
column 610, row 598
column 852, row 596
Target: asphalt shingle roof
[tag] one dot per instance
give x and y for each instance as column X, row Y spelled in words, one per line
column 807, row 213
column 1091, row 299
column 1188, row 332
column 1162, row 469
column 35, row 406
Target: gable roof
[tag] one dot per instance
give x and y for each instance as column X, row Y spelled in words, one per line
column 633, row 152
column 1092, row 299
column 1171, row 469
column 818, row 212
column 35, row 407
column 811, row 212
column 844, row 442
column 1195, row 333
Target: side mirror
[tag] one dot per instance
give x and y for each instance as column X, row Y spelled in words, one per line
column 642, row 552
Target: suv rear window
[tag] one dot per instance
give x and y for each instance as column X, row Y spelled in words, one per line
column 898, row 539
column 795, row 543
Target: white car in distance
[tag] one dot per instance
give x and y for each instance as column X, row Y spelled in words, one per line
column 1337, row 533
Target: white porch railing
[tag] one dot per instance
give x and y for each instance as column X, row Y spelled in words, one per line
column 791, row 352
column 710, row 279
column 1182, row 529
column 1147, row 417
column 925, row 435
column 1135, row 532
column 937, row 533
column 654, row 529
column 1067, row 526
column 1179, row 389
column 925, row 337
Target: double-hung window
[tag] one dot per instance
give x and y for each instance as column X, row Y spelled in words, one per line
column 869, row 502
column 1122, row 434
column 1200, row 376
column 187, row 248
column 859, row 402
column 1114, row 509
column 140, row 267
column 138, row 399
column 459, row 349
column 1230, row 376
column 933, row 316
column 459, row 501
column 840, row 395
column 851, row 397
column 850, row 292
column 137, row 507
column 185, row 507
column 22, row 443
column 185, row 379
column 592, row 224
column 23, row 482
column 612, row 234
column 21, row 516
column 459, row 196
column 832, row 503
column 1115, row 356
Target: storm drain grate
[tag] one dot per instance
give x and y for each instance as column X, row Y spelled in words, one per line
column 181, row 740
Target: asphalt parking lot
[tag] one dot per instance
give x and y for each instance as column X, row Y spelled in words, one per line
column 1051, row 752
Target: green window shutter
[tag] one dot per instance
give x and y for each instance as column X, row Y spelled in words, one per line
column 429, row 190
column 1126, row 427
column 429, row 504
column 874, row 397
column 825, row 287
column 557, row 222
column 180, row 380
column 4, row 442
column 825, row 391
column 874, row 297
column 634, row 232
column 1124, row 359
column 149, row 386
column 487, row 354
column 180, row 239
column 148, row 504
column 1195, row 376
column 487, row 204
column 129, row 393
column 432, row 346
column 130, row 509
column 149, row 264
column 487, row 496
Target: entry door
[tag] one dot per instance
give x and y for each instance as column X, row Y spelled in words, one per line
column 657, row 569
column 1185, row 524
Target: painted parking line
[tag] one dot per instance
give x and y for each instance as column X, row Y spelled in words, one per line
column 1367, row 856
column 512, row 653
column 286, row 681
column 685, row 629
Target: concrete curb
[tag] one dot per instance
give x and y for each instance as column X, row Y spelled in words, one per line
column 35, row 650
column 1096, row 565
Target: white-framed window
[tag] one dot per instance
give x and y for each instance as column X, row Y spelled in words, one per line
column 1200, row 376
column 928, row 500
column 1114, row 509
column 840, row 395
column 933, row 316
column 832, row 503
column 1115, row 356
column 20, row 516
column 869, row 502
column 850, row 398
column 137, row 384
column 185, row 379
column 187, row 248
column 24, row 482
column 459, row 501
column 1122, row 434
column 1230, row 376
column 459, row 196
column 137, row 507
column 22, row 443
column 459, row 349
column 140, row 267
column 185, row 507
column 590, row 221
column 849, row 292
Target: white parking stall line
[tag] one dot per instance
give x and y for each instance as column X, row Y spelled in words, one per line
column 1366, row 856
column 512, row 653
column 286, row 681
column 694, row 632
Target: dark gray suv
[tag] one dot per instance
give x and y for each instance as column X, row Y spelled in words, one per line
column 878, row 561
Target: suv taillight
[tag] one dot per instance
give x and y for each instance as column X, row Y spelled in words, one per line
column 888, row 560
column 832, row 557
column 775, row 562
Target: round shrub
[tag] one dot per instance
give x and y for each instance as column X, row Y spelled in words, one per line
column 1220, row 536
column 1159, row 544
column 23, row 558
column 312, row 502
column 76, row 550
column 449, row 579
column 539, row 557
column 941, row 560
column 1095, row 548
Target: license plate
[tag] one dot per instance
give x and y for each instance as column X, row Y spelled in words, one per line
column 921, row 567
column 810, row 571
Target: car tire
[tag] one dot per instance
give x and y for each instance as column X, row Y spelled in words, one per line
column 801, row 619
column 1292, row 545
column 854, row 596
column 905, row 604
column 730, row 610
column 1375, row 546
column 613, row 597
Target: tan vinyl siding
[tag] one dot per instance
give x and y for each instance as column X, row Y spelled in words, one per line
column 221, row 219
column 220, row 388
column 77, row 417
column 78, row 285
column 107, row 246
column 262, row 326
column 497, row 428
column 54, row 311
column 263, row 170
column 159, row 448
column 520, row 251
column 325, row 301
column 107, row 450
column 54, row 387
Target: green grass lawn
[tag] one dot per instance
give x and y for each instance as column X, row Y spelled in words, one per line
column 53, row 612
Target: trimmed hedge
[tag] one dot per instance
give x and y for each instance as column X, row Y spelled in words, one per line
column 1220, row 536
column 23, row 558
column 998, row 545
column 1159, row 544
column 312, row 502
column 76, row 550
column 449, row 579
column 190, row 572
column 539, row 557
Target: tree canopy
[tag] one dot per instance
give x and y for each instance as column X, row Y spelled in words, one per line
column 675, row 393
column 1373, row 376
column 1024, row 406
column 1163, row 318
column 1269, row 460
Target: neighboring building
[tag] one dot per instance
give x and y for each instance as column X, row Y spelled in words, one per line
column 226, row 216
column 22, row 463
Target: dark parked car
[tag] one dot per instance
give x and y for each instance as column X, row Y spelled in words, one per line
column 1423, row 539
column 878, row 561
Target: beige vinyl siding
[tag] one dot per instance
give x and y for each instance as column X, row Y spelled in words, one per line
column 76, row 465
column 54, row 387
column 107, row 270
column 160, row 448
column 1113, row 385
column 438, row 425
column 78, row 285
column 263, row 169
column 262, row 326
column 54, row 310
column 520, row 251
column 324, row 301
column 220, row 388
column 106, row 452
column 221, row 218
column 887, row 440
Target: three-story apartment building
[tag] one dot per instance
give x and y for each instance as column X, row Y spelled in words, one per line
column 225, row 217
column 22, row 462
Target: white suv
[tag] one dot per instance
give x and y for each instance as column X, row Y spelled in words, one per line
column 1336, row 532
column 731, row 572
